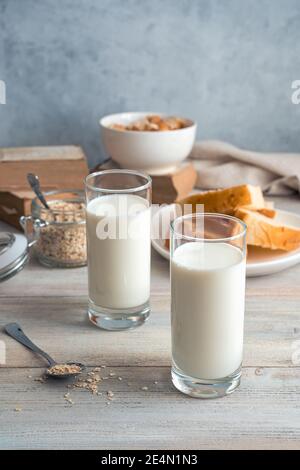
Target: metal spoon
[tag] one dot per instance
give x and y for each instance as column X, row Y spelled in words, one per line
column 34, row 182
column 15, row 331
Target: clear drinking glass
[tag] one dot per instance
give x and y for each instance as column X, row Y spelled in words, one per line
column 208, row 263
column 118, row 217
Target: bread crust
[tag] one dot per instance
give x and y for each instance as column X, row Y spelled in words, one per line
column 267, row 233
column 247, row 203
column 225, row 201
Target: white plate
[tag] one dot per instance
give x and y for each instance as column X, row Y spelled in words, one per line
column 260, row 261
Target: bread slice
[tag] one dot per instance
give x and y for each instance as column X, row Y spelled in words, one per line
column 225, row 201
column 267, row 211
column 267, row 233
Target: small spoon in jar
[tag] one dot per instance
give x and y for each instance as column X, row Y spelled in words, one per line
column 55, row 369
column 34, row 182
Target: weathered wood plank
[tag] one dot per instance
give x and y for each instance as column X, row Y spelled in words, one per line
column 38, row 281
column 263, row 413
column 59, row 325
column 50, row 304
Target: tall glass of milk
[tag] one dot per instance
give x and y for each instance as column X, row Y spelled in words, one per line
column 118, row 205
column 208, row 261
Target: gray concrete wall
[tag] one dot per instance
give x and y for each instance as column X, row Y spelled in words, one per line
column 227, row 63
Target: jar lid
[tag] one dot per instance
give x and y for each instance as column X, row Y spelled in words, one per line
column 13, row 254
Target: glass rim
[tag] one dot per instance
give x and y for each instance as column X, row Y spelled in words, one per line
column 135, row 189
column 209, row 214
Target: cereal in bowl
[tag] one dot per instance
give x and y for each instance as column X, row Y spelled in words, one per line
column 153, row 123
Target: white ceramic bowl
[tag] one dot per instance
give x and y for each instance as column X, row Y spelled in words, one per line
column 153, row 152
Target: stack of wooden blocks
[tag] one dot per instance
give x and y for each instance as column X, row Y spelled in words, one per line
column 65, row 167
column 166, row 188
column 62, row 167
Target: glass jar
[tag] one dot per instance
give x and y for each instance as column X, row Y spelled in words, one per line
column 58, row 234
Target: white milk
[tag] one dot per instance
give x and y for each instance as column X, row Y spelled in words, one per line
column 119, row 269
column 208, row 289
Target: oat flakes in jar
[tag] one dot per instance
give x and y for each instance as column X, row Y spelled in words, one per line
column 58, row 234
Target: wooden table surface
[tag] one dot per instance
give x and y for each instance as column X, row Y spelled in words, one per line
column 146, row 410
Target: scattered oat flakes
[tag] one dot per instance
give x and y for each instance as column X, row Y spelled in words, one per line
column 120, row 378
column 91, row 382
column 40, row 379
column 144, row 388
column 79, row 384
column 18, row 408
column 68, row 398
column 155, row 382
column 112, row 374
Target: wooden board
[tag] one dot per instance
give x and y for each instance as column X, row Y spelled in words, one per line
column 166, row 188
column 59, row 325
column 58, row 168
column 263, row 413
column 50, row 304
column 172, row 187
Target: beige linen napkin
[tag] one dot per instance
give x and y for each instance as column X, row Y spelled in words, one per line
column 220, row 164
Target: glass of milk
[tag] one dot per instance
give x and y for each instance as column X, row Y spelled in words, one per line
column 118, row 205
column 208, row 261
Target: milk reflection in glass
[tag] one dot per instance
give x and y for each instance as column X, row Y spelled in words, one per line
column 118, row 244
column 207, row 291
column 118, row 231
